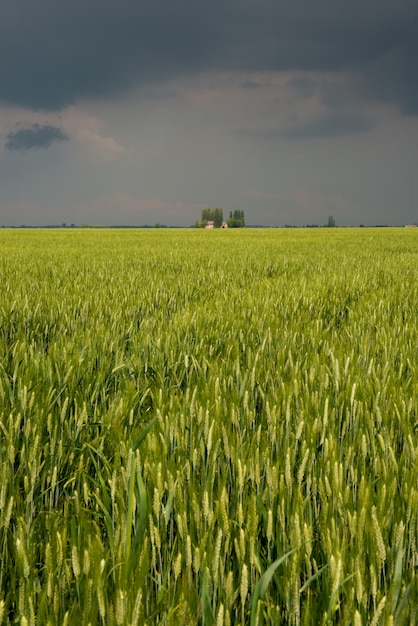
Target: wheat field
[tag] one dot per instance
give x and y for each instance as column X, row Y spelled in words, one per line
column 209, row 427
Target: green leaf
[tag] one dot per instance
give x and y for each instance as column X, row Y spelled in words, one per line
column 144, row 434
column 142, row 504
column 261, row 586
column 207, row 615
column 397, row 578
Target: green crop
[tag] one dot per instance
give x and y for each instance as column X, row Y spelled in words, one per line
column 209, row 427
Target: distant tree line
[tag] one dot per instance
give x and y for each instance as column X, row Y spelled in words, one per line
column 236, row 218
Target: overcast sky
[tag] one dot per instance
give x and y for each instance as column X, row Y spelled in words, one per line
column 143, row 111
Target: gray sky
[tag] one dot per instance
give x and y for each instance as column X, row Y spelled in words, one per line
column 145, row 111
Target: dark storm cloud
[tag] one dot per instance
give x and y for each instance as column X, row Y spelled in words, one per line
column 34, row 137
column 54, row 53
column 329, row 125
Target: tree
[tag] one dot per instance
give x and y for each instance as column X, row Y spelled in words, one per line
column 206, row 215
column 213, row 215
column 236, row 219
column 218, row 217
column 331, row 222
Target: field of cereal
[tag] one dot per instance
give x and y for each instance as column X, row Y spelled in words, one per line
column 209, row 427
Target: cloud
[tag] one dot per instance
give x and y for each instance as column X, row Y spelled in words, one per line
column 34, row 137
column 56, row 54
column 106, row 148
column 303, row 86
column 87, row 130
column 38, row 130
column 309, row 124
column 250, row 84
column 328, row 125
